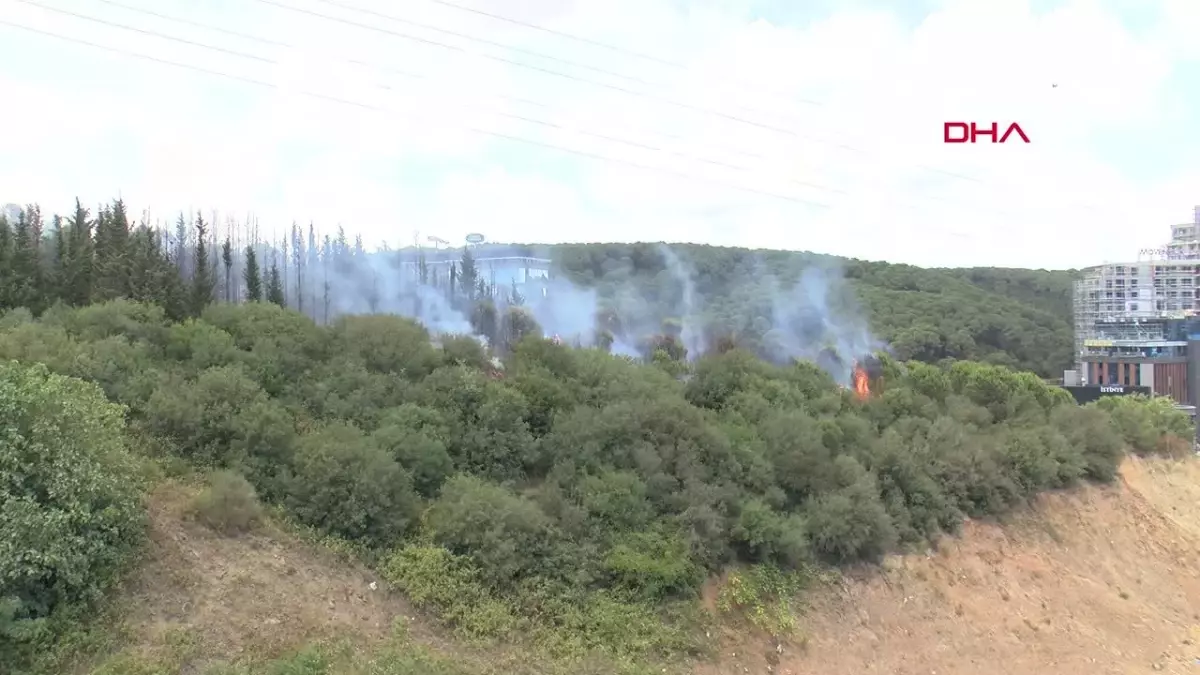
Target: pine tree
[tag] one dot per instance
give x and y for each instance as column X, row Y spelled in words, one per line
column 59, row 260
column 275, row 287
column 252, row 276
column 79, row 268
column 422, row 267
column 41, row 295
column 152, row 277
column 468, row 274
column 326, row 254
column 6, row 269
column 111, row 260
column 227, row 262
column 203, row 283
column 24, row 290
column 165, row 278
column 181, row 244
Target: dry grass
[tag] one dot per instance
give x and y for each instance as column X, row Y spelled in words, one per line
column 1098, row 580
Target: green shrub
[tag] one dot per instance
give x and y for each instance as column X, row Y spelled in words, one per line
column 228, row 505
column 507, row 535
column 342, row 484
column 1143, row 423
column 434, row 578
column 70, row 501
column 764, row 595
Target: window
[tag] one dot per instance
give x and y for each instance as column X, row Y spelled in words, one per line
column 1133, row 307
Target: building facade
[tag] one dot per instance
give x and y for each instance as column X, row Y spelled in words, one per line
column 1137, row 324
column 502, row 272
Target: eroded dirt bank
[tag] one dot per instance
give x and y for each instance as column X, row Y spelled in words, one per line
column 1100, row 580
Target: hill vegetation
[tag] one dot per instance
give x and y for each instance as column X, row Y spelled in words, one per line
column 628, row 292
column 559, row 497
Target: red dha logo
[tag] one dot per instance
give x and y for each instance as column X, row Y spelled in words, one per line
column 962, row 132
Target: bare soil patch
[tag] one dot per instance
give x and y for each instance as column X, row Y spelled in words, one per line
column 1095, row 580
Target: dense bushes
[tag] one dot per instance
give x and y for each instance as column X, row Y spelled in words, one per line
column 70, row 509
column 574, row 496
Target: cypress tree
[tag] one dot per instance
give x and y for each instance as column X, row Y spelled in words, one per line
column 252, row 277
column 111, row 257
column 6, row 270
column 227, row 262
column 467, row 273
column 80, row 265
column 60, row 261
column 202, row 275
column 24, row 265
column 275, row 287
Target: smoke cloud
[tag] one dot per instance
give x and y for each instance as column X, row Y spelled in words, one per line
column 812, row 317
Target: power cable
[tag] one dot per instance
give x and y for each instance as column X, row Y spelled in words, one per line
column 398, row 71
column 662, row 99
column 666, row 100
column 522, row 50
column 521, row 118
column 384, row 110
column 622, row 50
column 368, row 106
column 569, row 36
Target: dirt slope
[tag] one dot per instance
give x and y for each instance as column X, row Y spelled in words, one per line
column 1100, row 580
column 200, row 599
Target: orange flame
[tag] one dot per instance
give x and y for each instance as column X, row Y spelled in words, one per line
column 862, row 388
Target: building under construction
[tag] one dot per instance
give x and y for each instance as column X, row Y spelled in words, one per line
column 1137, row 324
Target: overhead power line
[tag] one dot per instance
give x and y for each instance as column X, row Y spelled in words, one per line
column 501, row 113
column 391, row 70
column 484, row 41
column 624, row 90
column 474, row 130
column 569, row 36
column 380, row 109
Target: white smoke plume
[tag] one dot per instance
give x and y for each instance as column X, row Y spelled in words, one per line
column 812, row 318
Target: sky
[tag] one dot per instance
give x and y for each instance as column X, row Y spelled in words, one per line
column 778, row 124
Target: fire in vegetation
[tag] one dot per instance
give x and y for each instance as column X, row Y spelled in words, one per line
column 862, row 385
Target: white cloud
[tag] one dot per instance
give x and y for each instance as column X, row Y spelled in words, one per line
column 870, row 152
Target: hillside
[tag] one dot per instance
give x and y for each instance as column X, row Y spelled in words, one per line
column 558, row 503
column 617, row 293
column 1014, row 317
column 1099, row 580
